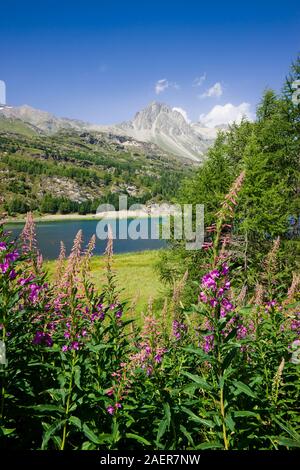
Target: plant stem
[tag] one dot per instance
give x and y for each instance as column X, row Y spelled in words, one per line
column 63, row 443
column 222, row 407
column 3, row 378
column 225, row 439
column 216, row 241
column 2, row 399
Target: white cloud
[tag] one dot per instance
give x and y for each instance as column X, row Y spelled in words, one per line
column 161, row 85
column 199, row 80
column 226, row 114
column 183, row 113
column 213, row 92
column 164, row 84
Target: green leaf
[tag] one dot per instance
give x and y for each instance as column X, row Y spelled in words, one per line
column 243, row 388
column 73, row 407
column 138, row 438
column 57, row 441
column 230, row 423
column 245, row 414
column 285, row 427
column 205, row 422
column 93, row 437
column 198, row 380
column 87, row 445
column 246, row 309
column 6, row 431
column 229, row 358
column 50, row 431
column 217, row 420
column 61, row 380
column 202, row 354
column 44, row 408
column 167, row 413
column 98, row 347
column 77, row 374
column 221, row 381
column 161, row 429
column 75, row 421
column 187, row 435
column 210, row 445
column 164, row 423
column 115, row 430
column 285, row 441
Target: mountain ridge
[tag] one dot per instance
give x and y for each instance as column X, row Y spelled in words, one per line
column 157, row 123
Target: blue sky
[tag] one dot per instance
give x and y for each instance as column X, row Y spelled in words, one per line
column 100, row 60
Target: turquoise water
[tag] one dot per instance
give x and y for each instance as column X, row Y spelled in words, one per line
column 49, row 235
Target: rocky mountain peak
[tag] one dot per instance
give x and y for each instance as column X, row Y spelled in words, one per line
column 159, row 116
column 157, row 124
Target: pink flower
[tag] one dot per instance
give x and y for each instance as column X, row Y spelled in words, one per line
column 149, row 370
column 203, row 297
column 119, row 314
column 241, row 332
column 158, row 358
column 208, row 282
column 227, row 305
column 34, row 291
column 4, row 267
column 208, row 343
column 214, row 274
column 225, row 269
column 43, row 338
column 23, row 281
column 12, row 274
column 220, row 292
column 13, row 256
column 110, row 409
column 75, row 345
column 207, row 245
column 270, row 304
column 295, row 324
column 178, row 329
column 223, row 312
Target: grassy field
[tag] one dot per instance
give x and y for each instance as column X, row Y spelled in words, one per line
column 135, row 273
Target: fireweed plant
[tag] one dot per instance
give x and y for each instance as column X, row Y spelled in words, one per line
column 75, row 374
column 248, row 385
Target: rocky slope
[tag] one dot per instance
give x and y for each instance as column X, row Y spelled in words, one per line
column 167, row 128
column 42, row 120
column 71, row 170
column 157, row 124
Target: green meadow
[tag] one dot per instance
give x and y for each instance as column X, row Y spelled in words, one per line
column 136, row 277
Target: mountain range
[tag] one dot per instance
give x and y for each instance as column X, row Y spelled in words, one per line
column 157, row 124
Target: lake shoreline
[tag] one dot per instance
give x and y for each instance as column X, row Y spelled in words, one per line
column 123, row 214
column 50, row 233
